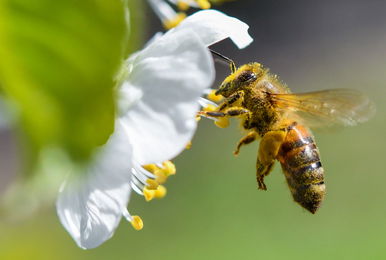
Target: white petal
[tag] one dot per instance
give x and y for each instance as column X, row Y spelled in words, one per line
column 172, row 73
column 90, row 209
column 128, row 96
column 213, row 26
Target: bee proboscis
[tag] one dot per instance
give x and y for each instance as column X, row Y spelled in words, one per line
column 281, row 120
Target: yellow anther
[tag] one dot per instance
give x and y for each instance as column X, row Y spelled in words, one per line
column 203, row 4
column 182, row 5
column 160, row 192
column 161, row 177
column 210, row 108
column 222, row 122
column 137, row 223
column 151, row 168
column 198, row 118
column 215, row 98
column 152, row 184
column 169, row 168
column 148, row 194
column 169, row 24
column 188, row 145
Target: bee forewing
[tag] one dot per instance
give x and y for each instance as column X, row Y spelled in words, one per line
column 333, row 107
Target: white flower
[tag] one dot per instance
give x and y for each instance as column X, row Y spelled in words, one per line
column 156, row 119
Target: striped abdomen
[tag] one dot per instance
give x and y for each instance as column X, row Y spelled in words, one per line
column 300, row 161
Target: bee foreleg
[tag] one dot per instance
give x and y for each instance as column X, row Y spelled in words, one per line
column 236, row 111
column 249, row 138
column 230, row 112
column 238, row 96
column 268, row 150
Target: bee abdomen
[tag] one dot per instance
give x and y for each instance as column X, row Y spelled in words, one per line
column 300, row 161
column 308, row 191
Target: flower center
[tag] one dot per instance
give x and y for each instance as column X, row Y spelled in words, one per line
column 147, row 181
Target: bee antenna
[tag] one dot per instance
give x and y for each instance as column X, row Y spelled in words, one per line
column 229, row 61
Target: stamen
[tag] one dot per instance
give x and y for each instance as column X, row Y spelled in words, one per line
column 222, row 122
column 205, row 102
column 161, row 177
column 169, row 168
column 213, row 97
column 161, row 171
column 148, row 194
column 173, row 22
column 182, row 5
column 145, row 170
column 157, row 171
column 135, row 221
column 189, row 144
column 150, row 168
column 210, row 108
column 152, row 188
column 160, row 192
column 137, row 182
column 136, row 189
column 152, row 184
column 203, row 4
column 141, row 177
column 162, row 9
column 159, row 165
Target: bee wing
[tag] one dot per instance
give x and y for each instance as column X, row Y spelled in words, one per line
column 333, row 107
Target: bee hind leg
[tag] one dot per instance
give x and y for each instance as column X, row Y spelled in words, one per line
column 268, row 150
column 249, row 138
column 262, row 171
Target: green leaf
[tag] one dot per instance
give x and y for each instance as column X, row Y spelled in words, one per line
column 58, row 60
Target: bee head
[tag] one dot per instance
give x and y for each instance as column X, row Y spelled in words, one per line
column 240, row 79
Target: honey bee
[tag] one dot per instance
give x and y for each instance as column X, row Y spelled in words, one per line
column 281, row 119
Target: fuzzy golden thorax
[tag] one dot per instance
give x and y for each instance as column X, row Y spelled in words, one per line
column 243, row 77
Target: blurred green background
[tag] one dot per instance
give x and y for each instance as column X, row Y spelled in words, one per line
column 213, row 209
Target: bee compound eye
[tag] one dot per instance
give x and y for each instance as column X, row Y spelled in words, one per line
column 247, row 76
